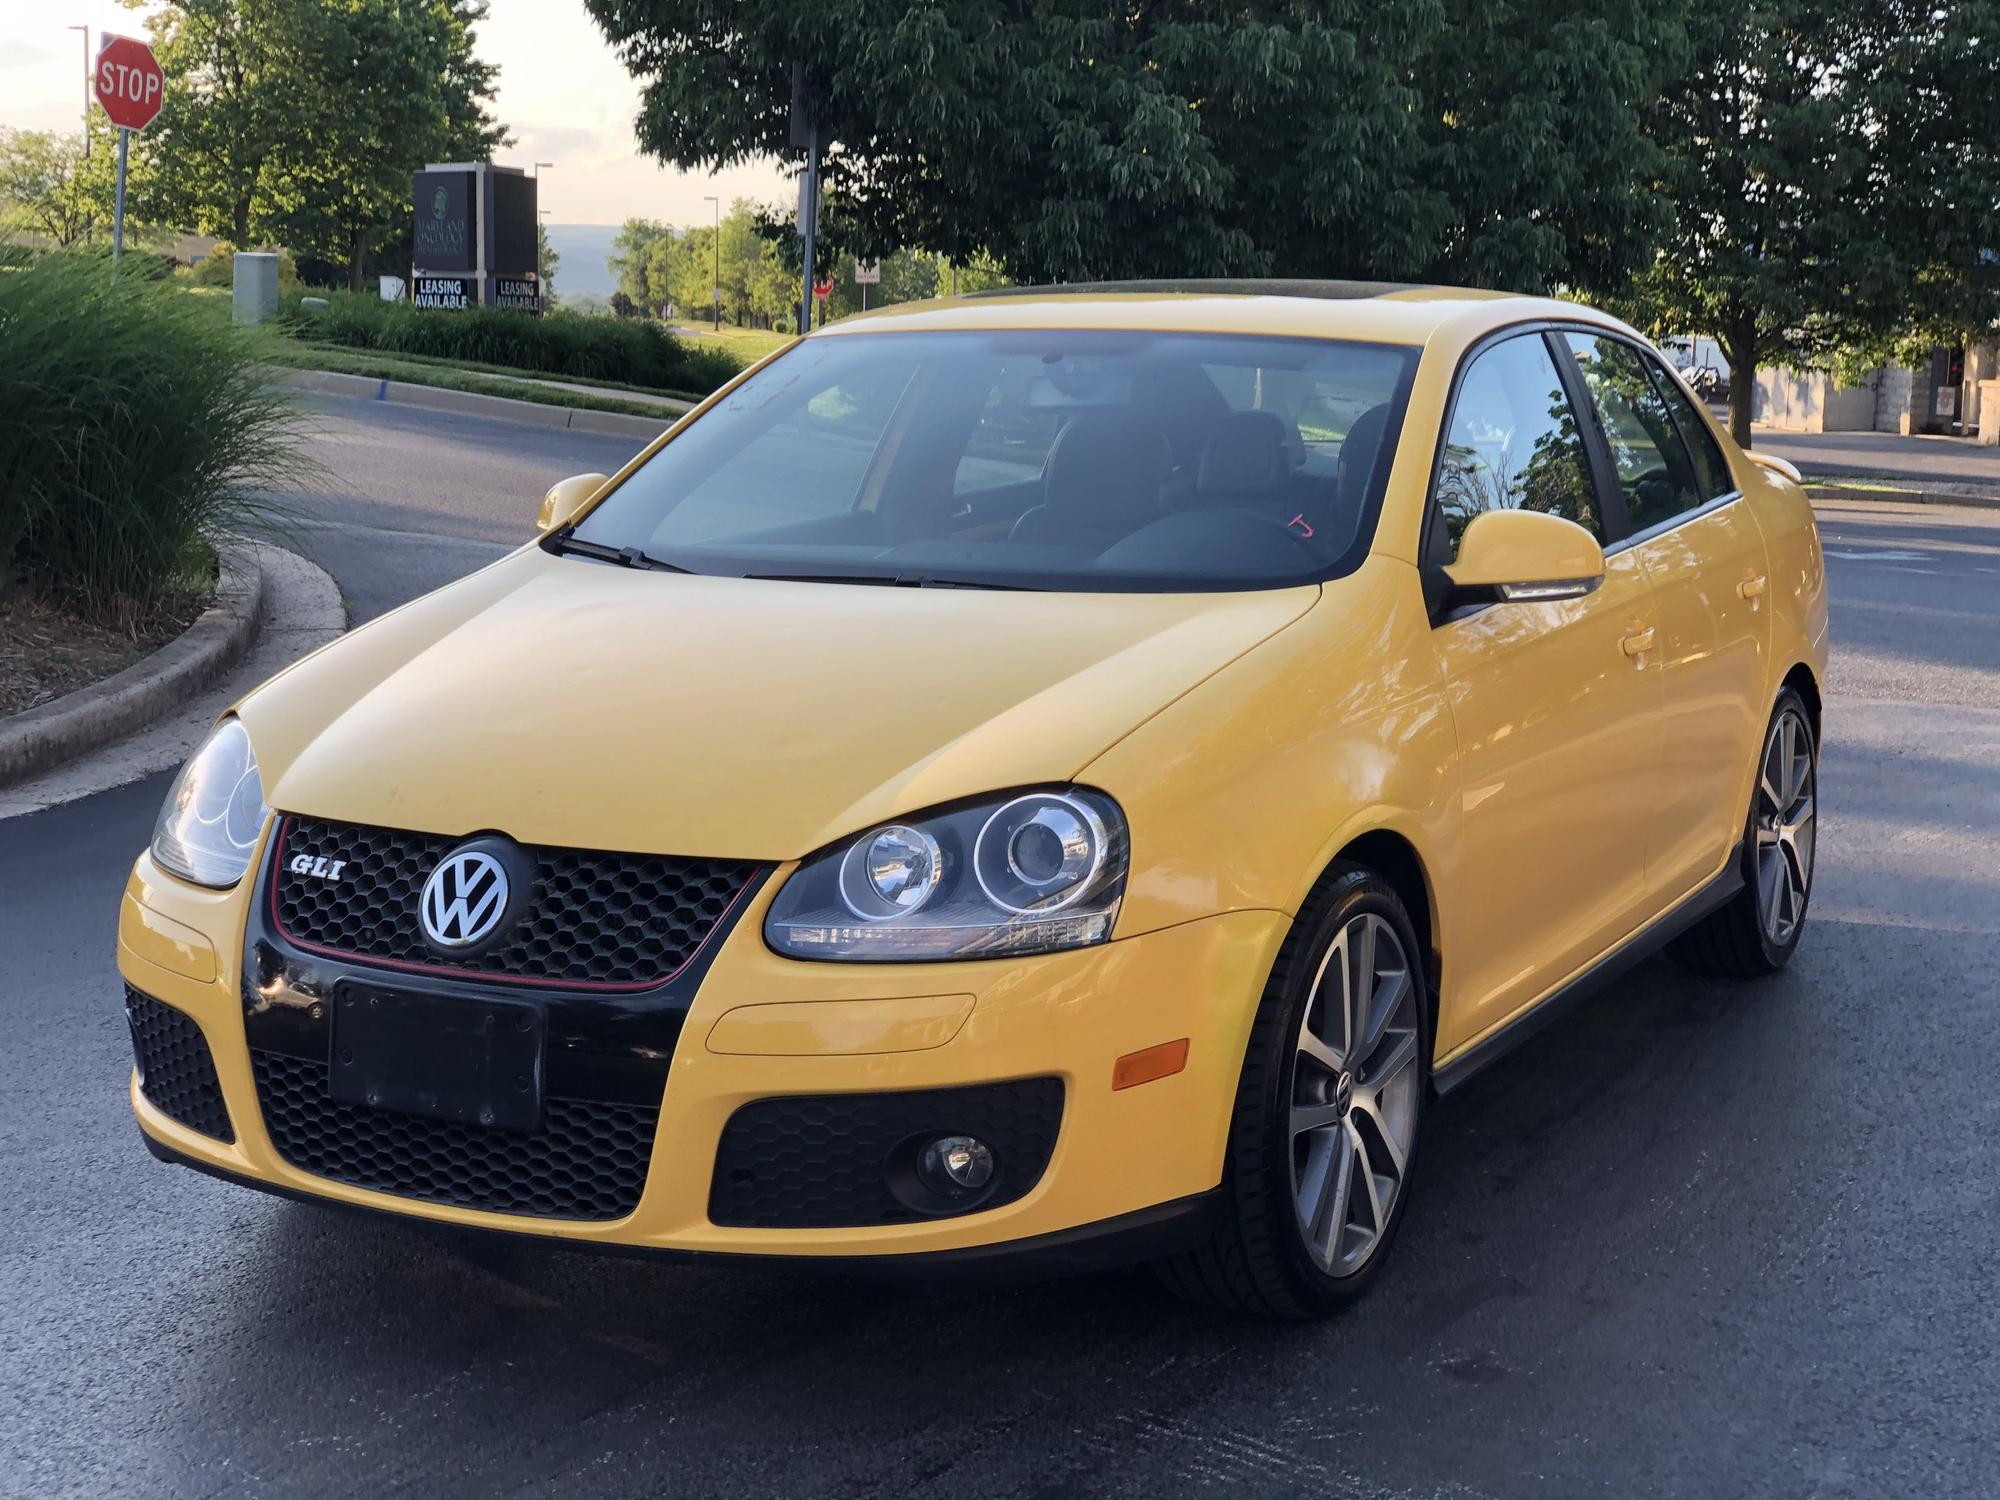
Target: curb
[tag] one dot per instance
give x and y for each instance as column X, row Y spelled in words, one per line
column 44, row 737
column 1827, row 488
column 470, row 403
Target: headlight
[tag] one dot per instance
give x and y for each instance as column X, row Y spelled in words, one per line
column 209, row 826
column 1022, row 873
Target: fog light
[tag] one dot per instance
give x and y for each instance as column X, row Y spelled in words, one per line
column 955, row 1165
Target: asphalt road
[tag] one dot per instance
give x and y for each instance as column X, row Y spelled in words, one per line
column 1701, row 1239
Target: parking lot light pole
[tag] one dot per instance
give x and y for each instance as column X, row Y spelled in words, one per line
column 716, row 289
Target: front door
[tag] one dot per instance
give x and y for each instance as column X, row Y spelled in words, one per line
column 1556, row 706
column 1704, row 555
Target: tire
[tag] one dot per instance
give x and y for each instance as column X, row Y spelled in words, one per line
column 1759, row 930
column 1288, row 1242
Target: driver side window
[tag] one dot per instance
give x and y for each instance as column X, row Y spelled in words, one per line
column 1513, row 443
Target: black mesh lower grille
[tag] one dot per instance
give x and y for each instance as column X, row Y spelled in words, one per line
column 627, row 920
column 588, row 1161
column 832, row 1160
column 176, row 1069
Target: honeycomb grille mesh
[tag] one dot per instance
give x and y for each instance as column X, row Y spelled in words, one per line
column 825, row 1161
column 597, row 919
column 588, row 1161
column 176, row 1069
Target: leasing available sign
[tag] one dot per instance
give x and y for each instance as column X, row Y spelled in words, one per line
column 452, row 292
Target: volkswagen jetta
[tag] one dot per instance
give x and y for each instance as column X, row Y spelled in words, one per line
column 1067, row 774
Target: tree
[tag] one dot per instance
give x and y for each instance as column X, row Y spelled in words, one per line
column 631, row 264
column 301, row 121
column 1453, row 139
column 547, row 263
column 1833, row 172
column 46, row 181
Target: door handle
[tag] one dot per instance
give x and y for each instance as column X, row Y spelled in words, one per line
column 1750, row 588
column 1639, row 642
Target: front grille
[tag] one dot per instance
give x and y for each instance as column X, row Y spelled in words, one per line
column 176, row 1069
column 626, row 921
column 828, row 1161
column 588, row 1161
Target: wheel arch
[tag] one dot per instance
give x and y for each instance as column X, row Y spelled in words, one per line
column 1802, row 681
column 1397, row 860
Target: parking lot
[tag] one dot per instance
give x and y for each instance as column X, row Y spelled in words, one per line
column 1702, row 1237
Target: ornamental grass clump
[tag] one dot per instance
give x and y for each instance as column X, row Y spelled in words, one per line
column 137, row 431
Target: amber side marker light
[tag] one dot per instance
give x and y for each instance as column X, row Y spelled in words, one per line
column 1143, row 1066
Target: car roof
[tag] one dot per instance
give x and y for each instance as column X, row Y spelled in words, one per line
column 1369, row 311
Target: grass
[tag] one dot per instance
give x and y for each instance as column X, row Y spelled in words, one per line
column 446, row 376
column 747, row 344
column 420, row 367
column 139, row 431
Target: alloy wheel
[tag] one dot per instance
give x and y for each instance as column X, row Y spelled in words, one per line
column 1354, row 1094
column 1786, row 805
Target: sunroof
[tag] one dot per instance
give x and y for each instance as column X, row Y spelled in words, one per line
column 1215, row 287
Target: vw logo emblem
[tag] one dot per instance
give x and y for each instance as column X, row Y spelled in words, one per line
column 464, row 900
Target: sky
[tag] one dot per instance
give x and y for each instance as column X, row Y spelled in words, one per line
column 563, row 94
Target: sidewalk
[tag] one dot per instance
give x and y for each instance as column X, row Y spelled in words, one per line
column 1884, row 455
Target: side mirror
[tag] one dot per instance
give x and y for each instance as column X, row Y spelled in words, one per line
column 1771, row 463
column 1526, row 555
column 565, row 498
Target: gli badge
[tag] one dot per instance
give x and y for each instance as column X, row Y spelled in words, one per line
column 318, row 866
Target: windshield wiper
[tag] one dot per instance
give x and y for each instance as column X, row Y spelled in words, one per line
column 563, row 541
column 895, row 581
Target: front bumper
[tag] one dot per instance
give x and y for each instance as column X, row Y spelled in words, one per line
column 1125, row 1163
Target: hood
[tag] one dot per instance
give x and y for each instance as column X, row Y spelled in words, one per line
column 572, row 703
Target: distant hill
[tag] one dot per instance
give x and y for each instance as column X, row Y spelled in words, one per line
column 584, row 249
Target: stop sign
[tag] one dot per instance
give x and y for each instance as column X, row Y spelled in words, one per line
column 129, row 82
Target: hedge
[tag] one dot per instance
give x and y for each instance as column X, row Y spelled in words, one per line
column 580, row 345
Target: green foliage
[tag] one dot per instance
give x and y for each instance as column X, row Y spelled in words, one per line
column 53, row 188
column 631, row 264
column 1833, row 169
column 299, row 122
column 218, row 269
column 1460, row 140
column 547, row 262
column 561, row 343
column 141, row 430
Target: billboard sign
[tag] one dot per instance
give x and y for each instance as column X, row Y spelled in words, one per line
column 444, row 231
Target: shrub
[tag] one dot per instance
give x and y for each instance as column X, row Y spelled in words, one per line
column 139, row 430
column 218, row 268
column 583, row 345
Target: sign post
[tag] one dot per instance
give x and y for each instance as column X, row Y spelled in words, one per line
column 130, row 88
column 867, row 273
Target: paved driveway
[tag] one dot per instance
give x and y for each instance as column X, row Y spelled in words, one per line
column 1700, row 1239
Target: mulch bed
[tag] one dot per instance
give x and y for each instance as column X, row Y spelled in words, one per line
column 46, row 652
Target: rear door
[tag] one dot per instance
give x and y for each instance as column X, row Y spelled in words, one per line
column 1703, row 553
column 1556, row 704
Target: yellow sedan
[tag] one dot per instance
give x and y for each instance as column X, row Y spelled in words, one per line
column 1065, row 774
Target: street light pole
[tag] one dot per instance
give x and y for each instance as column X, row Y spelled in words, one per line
column 716, row 290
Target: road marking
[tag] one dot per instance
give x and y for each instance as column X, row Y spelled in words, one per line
column 1885, row 556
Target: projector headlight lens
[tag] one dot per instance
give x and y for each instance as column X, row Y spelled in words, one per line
column 1029, row 872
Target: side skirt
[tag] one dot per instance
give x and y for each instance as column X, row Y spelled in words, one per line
column 1636, row 949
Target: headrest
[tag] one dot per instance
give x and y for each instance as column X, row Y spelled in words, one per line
column 1249, row 453
column 1104, row 470
column 1358, row 452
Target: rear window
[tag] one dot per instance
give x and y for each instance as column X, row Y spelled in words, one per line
column 1045, row 459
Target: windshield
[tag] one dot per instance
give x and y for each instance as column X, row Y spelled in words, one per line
column 1036, row 459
